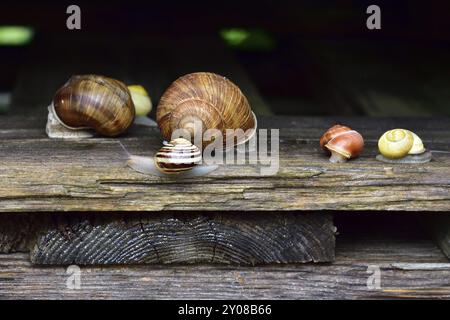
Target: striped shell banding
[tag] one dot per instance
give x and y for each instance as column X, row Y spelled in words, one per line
column 177, row 156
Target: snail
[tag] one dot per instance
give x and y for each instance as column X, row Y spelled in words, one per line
column 143, row 105
column 342, row 142
column 178, row 158
column 200, row 101
column 90, row 103
column 402, row 146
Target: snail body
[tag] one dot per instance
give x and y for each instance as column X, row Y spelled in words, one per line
column 200, row 101
column 402, row 146
column 342, row 143
column 178, row 158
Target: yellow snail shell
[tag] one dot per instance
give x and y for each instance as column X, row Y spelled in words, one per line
column 143, row 105
column 200, row 101
column 402, row 146
column 178, row 158
column 142, row 102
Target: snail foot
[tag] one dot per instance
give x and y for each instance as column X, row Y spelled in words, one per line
column 409, row 159
column 56, row 130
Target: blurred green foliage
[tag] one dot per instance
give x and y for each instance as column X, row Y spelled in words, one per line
column 248, row 39
column 15, row 35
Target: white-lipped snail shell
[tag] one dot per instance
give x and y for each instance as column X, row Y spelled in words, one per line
column 402, row 146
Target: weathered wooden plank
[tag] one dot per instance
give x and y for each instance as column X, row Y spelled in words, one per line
column 344, row 279
column 231, row 238
column 431, row 130
column 38, row 174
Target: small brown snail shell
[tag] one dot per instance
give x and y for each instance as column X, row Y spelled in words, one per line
column 342, row 142
column 200, row 101
column 178, row 155
column 94, row 102
column 178, row 158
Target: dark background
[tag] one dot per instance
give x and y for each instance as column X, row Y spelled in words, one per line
column 301, row 58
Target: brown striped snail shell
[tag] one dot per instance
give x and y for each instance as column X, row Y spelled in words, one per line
column 178, row 158
column 200, row 101
column 94, row 102
column 342, row 142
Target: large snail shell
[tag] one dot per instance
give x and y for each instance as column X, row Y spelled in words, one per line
column 398, row 143
column 207, row 99
column 178, row 155
column 342, row 142
column 96, row 102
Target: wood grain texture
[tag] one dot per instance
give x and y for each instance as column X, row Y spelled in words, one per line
column 344, row 279
column 38, row 174
column 231, row 238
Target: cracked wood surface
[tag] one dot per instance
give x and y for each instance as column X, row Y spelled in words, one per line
column 410, row 268
column 216, row 238
column 39, row 174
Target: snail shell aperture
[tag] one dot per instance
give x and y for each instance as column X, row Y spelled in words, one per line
column 200, row 101
column 402, row 146
column 342, row 142
column 93, row 102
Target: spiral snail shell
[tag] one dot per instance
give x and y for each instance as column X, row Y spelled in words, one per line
column 402, row 146
column 178, row 155
column 342, row 142
column 200, row 101
column 90, row 102
column 178, row 158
